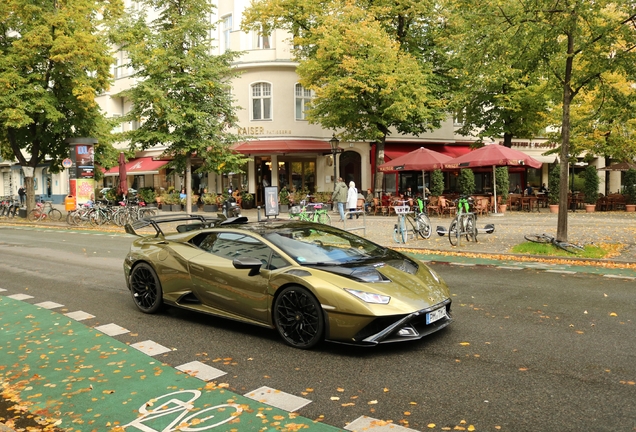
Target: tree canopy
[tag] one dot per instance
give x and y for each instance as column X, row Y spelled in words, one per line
column 182, row 96
column 363, row 61
column 55, row 60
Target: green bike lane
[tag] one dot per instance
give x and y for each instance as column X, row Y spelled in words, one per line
column 77, row 378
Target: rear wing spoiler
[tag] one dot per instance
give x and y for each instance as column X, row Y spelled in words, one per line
column 193, row 222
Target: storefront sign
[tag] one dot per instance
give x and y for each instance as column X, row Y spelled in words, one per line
column 271, row 201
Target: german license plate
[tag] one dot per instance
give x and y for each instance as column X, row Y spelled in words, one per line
column 436, row 315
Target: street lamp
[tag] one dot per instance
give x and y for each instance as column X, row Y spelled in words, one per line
column 334, row 150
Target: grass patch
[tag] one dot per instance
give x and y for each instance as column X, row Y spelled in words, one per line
column 596, row 251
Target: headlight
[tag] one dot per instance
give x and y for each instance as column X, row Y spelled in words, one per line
column 369, row 297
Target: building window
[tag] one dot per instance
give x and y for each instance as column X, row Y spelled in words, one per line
column 458, row 118
column 261, row 101
column 227, row 29
column 261, row 40
column 302, row 97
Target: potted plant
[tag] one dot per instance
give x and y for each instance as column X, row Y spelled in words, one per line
column 209, row 203
column 590, row 188
column 283, row 200
column 554, row 183
column 247, row 200
column 502, row 184
column 195, row 203
column 437, row 183
column 147, row 195
column 466, row 182
column 629, row 189
column 171, row 200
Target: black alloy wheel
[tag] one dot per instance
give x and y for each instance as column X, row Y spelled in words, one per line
column 145, row 288
column 298, row 317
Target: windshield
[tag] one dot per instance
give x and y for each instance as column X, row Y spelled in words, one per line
column 322, row 245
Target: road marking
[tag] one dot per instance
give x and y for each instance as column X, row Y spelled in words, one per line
column 463, row 264
column 364, row 423
column 79, row 315
column 510, row 268
column 619, row 276
column 49, row 305
column 20, row 296
column 561, row 271
column 277, row 398
column 200, row 370
column 112, row 329
column 150, row 348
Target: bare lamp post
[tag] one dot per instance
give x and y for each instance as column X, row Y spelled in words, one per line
column 334, row 150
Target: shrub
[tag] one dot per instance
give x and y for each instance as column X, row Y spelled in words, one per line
column 554, row 183
column 437, row 183
column 502, row 183
column 629, row 186
column 466, row 182
column 590, row 184
column 147, row 194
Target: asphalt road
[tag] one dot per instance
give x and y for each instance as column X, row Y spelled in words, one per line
column 529, row 350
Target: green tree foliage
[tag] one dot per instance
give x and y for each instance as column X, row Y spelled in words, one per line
column 437, row 183
column 502, row 183
column 554, row 182
column 55, row 59
column 629, row 186
column 182, row 97
column 365, row 61
column 572, row 45
column 466, row 182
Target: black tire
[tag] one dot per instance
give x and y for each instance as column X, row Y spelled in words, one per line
column 33, row 215
column 471, row 229
column 453, row 236
column 538, row 238
column 569, row 247
column 145, row 288
column 298, row 317
column 55, row 215
column 324, row 219
column 424, row 227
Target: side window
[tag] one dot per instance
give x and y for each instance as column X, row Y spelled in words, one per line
column 233, row 245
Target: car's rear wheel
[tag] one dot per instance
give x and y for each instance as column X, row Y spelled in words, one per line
column 298, row 317
column 145, row 288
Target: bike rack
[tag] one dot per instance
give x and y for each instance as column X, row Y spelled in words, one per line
column 363, row 227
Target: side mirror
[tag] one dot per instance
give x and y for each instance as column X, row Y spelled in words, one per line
column 253, row 264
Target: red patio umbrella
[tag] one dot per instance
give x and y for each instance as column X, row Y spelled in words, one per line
column 421, row 159
column 493, row 155
column 123, row 181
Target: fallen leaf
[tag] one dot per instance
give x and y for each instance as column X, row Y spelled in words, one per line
column 464, row 343
column 335, row 398
column 373, row 402
column 613, row 314
column 431, row 425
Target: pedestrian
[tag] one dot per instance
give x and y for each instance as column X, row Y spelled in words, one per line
column 22, row 195
column 352, row 198
column 339, row 197
column 368, row 201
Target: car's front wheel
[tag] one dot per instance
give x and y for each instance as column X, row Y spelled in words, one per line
column 145, row 288
column 298, row 317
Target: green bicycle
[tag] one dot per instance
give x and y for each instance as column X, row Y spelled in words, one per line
column 418, row 219
column 464, row 224
column 310, row 212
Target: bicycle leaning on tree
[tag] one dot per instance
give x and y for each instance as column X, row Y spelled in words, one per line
column 44, row 211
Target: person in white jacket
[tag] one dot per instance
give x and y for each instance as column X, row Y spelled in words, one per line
column 352, row 198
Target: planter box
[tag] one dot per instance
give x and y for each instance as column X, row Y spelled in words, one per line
column 194, row 209
column 210, row 208
column 284, row 208
column 22, row 213
column 176, row 207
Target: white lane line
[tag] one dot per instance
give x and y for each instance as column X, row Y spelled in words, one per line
column 278, row 399
column 112, row 329
column 364, row 423
column 151, row 348
column 79, row 315
column 49, row 305
column 201, row 370
column 20, row 296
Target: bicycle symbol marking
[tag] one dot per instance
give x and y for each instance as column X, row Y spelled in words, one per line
column 171, row 405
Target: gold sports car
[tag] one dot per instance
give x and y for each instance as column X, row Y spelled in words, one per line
column 309, row 281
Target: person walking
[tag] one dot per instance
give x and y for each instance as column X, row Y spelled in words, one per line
column 352, row 198
column 339, row 197
column 22, row 195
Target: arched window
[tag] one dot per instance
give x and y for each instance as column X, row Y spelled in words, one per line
column 261, row 101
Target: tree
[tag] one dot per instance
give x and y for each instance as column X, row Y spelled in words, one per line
column 573, row 44
column 182, row 97
column 365, row 62
column 55, row 59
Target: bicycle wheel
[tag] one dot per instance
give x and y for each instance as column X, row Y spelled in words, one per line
column 55, row 215
column 538, row 238
column 568, row 247
column 33, row 215
column 69, row 218
column 396, row 238
column 423, row 224
column 324, row 218
column 403, row 231
column 453, row 233
column 471, row 228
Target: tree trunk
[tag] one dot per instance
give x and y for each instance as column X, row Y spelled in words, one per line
column 188, row 184
column 507, row 139
column 562, row 221
column 30, row 193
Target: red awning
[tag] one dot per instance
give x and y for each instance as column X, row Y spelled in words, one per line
column 139, row 166
column 282, row 146
column 392, row 150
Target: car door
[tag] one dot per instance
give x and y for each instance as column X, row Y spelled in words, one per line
column 227, row 290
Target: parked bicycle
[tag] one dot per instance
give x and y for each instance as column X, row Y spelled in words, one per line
column 464, row 224
column 44, row 211
column 418, row 220
column 310, row 212
column 9, row 206
column 546, row 238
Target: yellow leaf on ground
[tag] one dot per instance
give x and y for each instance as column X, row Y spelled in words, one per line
column 335, row 398
column 431, row 425
column 613, row 314
column 464, row 343
column 373, row 402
